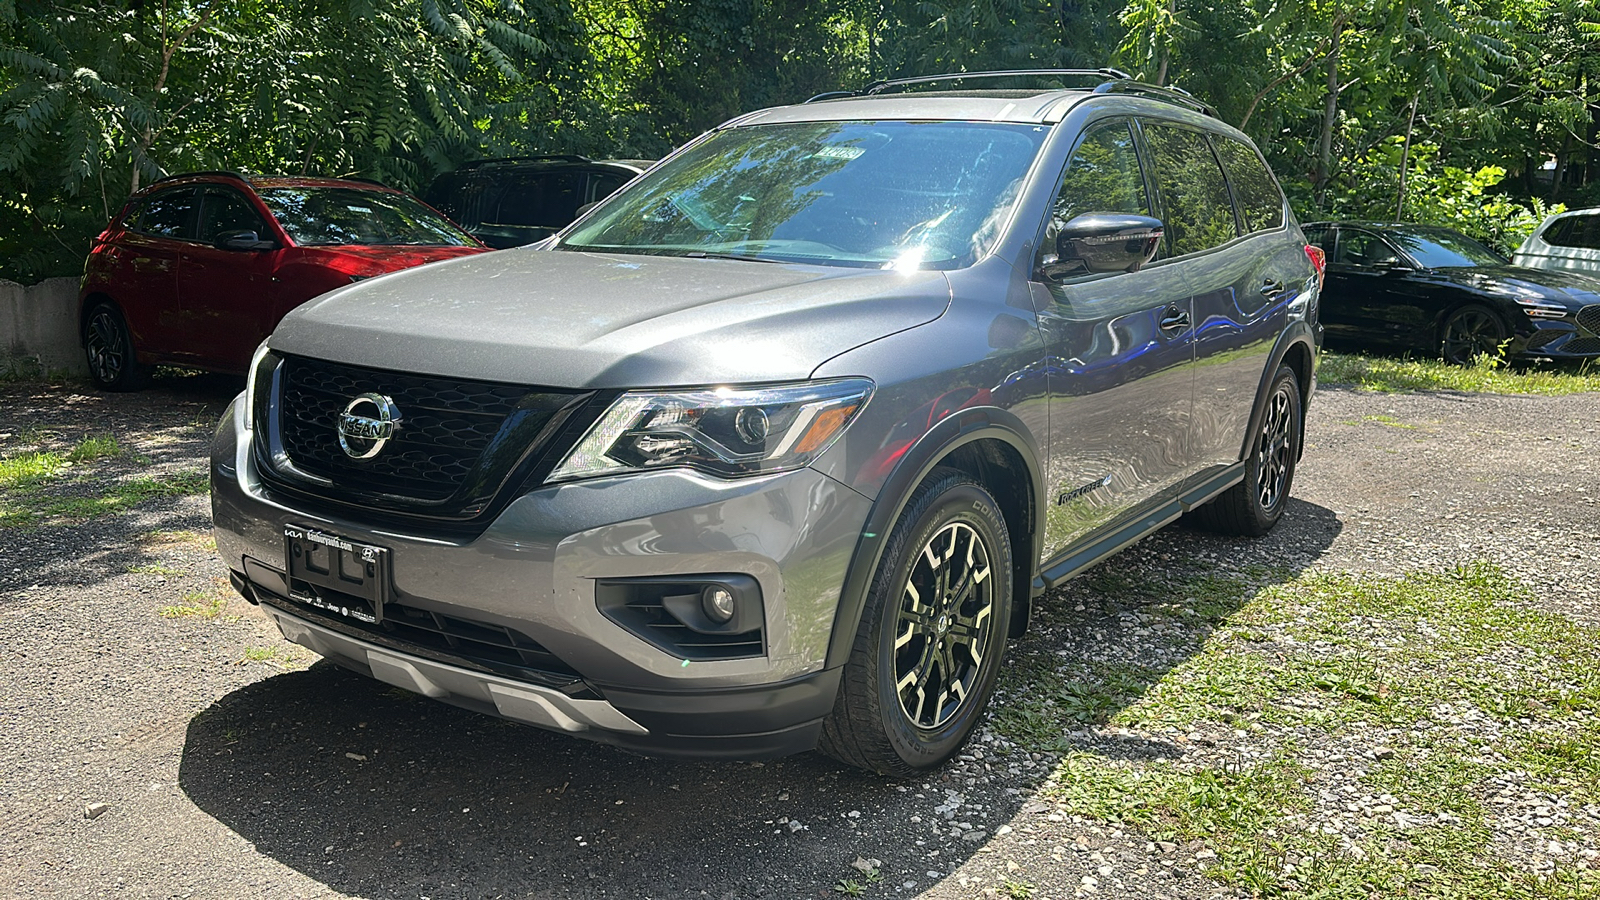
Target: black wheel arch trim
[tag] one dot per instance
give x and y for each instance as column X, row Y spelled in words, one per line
column 1297, row 335
column 933, row 448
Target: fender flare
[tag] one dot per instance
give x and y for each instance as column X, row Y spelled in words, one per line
column 1297, row 334
column 956, row 431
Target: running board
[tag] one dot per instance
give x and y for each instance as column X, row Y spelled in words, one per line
column 1073, row 561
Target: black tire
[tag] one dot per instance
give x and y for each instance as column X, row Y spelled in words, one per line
column 108, row 348
column 882, row 720
column 1255, row 504
column 1469, row 331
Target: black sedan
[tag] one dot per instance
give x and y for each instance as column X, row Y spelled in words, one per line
column 1431, row 289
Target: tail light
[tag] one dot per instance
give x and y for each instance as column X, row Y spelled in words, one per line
column 1319, row 261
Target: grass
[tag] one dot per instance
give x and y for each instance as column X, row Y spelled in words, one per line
column 91, row 448
column 1462, row 679
column 29, row 469
column 26, row 505
column 155, row 569
column 1487, row 375
column 196, row 605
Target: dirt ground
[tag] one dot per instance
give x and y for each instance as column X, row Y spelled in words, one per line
column 161, row 740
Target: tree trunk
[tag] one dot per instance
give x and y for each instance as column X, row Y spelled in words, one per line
column 148, row 137
column 1330, row 114
column 1405, row 160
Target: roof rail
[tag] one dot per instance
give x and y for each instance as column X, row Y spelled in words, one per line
column 222, row 172
column 1112, row 81
column 548, row 157
column 1174, row 95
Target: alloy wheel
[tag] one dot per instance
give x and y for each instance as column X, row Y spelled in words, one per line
column 945, row 626
column 1275, row 449
column 104, row 344
column 1469, row 333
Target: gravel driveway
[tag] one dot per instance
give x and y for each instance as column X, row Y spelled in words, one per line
column 160, row 740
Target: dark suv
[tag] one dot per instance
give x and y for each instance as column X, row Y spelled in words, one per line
column 519, row 200
column 777, row 447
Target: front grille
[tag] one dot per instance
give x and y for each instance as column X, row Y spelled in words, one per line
column 458, row 443
column 1589, row 318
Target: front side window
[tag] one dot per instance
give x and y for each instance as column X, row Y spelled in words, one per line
column 330, row 216
column 1102, row 176
column 1199, row 211
column 1260, row 201
column 224, row 211
column 167, row 214
column 930, row 195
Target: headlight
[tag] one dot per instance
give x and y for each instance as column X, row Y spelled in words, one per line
column 260, row 366
column 726, row 432
column 1540, row 308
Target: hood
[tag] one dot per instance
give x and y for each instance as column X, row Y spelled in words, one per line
column 599, row 320
column 376, row 260
column 1518, row 281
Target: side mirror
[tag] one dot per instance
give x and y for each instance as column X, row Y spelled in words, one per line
column 242, row 240
column 1098, row 243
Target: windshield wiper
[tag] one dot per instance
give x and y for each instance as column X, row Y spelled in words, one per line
column 701, row 254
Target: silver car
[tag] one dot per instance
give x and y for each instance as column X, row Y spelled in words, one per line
column 1568, row 241
column 776, row 448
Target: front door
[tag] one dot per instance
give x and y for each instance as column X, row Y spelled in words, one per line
column 226, row 296
column 1120, row 358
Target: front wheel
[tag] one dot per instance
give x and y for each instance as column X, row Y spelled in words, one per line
column 108, row 349
column 1471, row 331
column 1255, row 504
column 932, row 633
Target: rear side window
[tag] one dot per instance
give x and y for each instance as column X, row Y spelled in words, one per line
column 1582, row 232
column 1198, row 209
column 604, row 184
column 1260, row 201
column 167, row 214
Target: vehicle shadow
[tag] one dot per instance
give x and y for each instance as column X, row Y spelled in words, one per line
column 375, row 792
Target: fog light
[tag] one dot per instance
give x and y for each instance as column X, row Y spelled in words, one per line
column 718, row 604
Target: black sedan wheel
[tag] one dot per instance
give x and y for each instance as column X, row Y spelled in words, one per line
column 108, row 348
column 1471, row 331
column 932, row 632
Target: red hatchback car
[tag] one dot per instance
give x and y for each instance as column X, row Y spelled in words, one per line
column 197, row 269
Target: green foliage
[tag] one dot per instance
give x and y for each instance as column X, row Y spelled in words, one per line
column 1438, row 194
column 99, row 98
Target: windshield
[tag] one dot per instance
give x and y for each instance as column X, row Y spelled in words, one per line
column 929, row 195
column 1444, row 249
column 324, row 216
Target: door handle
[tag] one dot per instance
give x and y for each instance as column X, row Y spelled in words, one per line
column 1272, row 288
column 1174, row 319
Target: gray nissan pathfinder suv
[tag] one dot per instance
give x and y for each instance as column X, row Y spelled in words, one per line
column 775, row 448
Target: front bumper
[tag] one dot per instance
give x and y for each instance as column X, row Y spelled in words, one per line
column 533, row 572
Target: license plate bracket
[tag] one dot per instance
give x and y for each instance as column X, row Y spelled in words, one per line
column 336, row 573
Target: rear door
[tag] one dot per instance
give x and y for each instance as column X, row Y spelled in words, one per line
column 1368, row 298
column 1120, row 354
column 226, row 296
column 1239, row 316
column 144, row 267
